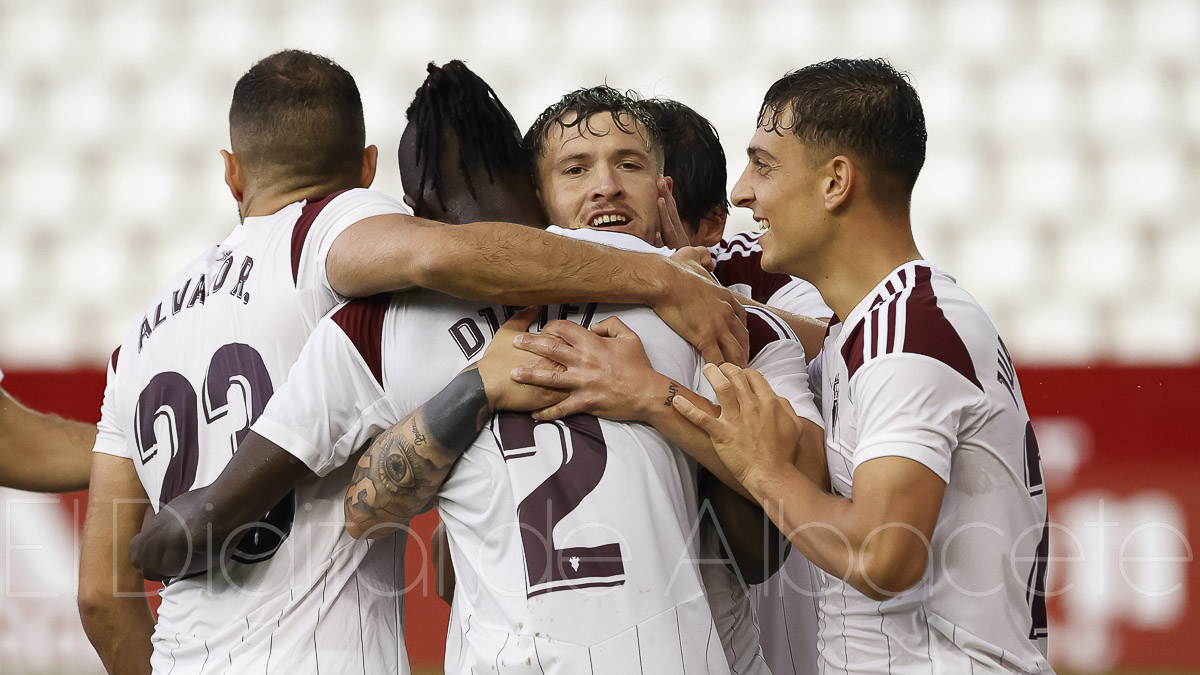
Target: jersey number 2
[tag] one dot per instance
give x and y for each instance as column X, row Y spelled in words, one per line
column 584, row 458
column 170, row 395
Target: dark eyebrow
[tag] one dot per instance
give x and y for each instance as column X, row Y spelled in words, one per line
column 754, row 150
column 574, row 157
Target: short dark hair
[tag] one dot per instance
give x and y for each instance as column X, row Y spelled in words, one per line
column 453, row 98
column 585, row 103
column 863, row 106
column 299, row 114
column 693, row 157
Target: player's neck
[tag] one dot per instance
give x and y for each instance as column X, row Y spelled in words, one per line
column 861, row 261
column 264, row 202
column 497, row 207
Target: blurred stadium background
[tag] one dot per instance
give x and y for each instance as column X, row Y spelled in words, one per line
column 1064, row 152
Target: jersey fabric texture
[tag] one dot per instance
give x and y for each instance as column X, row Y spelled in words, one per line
column 781, row 612
column 573, row 541
column 738, row 263
column 917, row 370
column 186, row 385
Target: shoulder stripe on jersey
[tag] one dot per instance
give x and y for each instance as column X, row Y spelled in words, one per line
column 116, row 352
column 308, row 215
column 909, row 322
column 929, row 332
column 362, row 321
column 764, row 328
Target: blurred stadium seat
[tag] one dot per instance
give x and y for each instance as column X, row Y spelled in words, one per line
column 1059, row 188
column 1055, row 114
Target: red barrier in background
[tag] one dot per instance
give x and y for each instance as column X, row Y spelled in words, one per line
column 1120, row 452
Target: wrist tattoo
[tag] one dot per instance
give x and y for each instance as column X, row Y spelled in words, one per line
column 674, row 391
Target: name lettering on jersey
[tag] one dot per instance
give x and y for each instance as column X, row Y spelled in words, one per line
column 199, row 294
column 468, row 335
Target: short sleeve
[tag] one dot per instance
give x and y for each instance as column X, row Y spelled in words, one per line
column 908, row 405
column 110, row 435
column 340, row 213
column 330, row 405
column 800, row 297
column 782, row 365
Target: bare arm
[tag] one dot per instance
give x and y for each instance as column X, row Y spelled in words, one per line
column 43, row 452
column 195, row 530
column 756, row 546
column 112, row 595
column 608, row 375
column 517, row 265
column 400, row 473
column 877, row 540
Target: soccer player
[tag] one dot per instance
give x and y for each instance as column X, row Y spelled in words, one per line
column 935, row 537
column 42, row 452
column 784, row 615
column 191, row 378
column 597, row 162
column 695, row 162
column 373, row 361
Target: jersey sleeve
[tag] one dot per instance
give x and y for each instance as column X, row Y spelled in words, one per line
column 110, row 436
column 330, row 405
column 800, row 297
column 342, row 211
column 782, row 365
column 911, row 406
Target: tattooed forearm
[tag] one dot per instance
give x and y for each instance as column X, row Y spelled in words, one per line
column 672, row 392
column 400, row 473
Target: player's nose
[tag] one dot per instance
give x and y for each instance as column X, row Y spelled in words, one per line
column 743, row 194
column 607, row 184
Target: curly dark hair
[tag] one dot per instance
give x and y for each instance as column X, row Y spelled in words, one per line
column 864, row 106
column 693, row 157
column 454, row 98
column 577, row 107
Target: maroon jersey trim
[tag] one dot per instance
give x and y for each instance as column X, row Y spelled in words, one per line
column 362, row 321
column 113, row 359
column 927, row 331
column 308, row 215
column 739, row 261
column 764, row 329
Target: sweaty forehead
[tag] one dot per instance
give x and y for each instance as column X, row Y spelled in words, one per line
column 599, row 129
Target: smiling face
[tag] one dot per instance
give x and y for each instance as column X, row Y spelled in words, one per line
column 600, row 176
column 783, row 185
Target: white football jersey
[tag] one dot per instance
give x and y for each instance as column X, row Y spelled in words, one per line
column 781, row 612
column 572, row 541
column 917, row 370
column 189, row 381
column 778, row 355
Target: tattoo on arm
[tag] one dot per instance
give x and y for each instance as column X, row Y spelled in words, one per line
column 404, row 467
column 673, row 391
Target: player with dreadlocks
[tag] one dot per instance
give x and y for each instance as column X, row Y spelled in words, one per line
column 458, row 134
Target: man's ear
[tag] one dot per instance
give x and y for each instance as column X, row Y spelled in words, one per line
column 839, row 182
column 370, row 163
column 711, row 227
column 234, row 178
